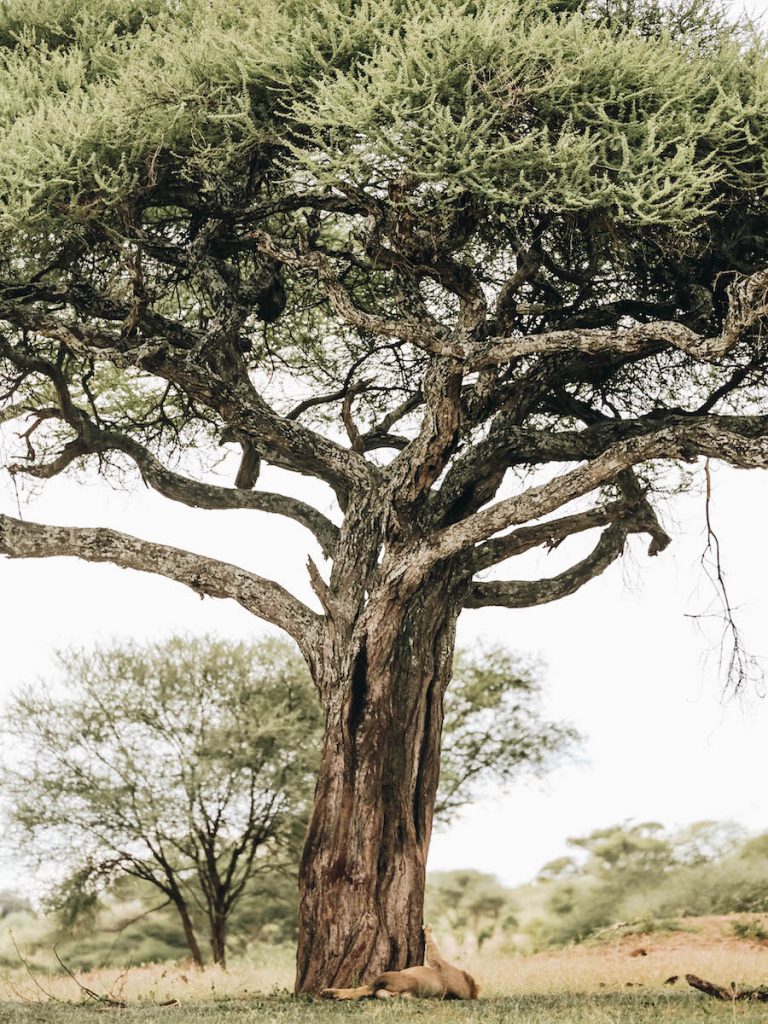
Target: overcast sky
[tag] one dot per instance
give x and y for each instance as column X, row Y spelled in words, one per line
column 627, row 661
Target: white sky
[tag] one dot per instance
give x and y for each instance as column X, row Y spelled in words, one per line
column 625, row 663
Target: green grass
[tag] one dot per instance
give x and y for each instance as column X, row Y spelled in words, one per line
column 675, row 1008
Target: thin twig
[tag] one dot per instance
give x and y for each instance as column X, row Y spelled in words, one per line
column 28, row 969
column 106, row 1000
column 740, row 666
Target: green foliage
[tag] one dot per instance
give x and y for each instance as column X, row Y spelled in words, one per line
column 182, row 764
column 626, row 139
column 750, row 929
column 756, row 849
column 727, row 886
column 642, row 875
column 516, row 104
column 493, row 729
column 638, row 852
column 470, row 904
column 25, row 930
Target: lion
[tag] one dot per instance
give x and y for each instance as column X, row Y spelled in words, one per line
column 439, row 980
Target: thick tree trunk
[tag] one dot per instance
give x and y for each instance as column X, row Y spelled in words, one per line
column 363, row 867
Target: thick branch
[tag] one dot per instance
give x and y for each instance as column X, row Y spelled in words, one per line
column 185, row 490
column 206, row 576
column 747, row 308
column 422, row 461
column 550, row 533
column 741, row 441
column 525, row 593
column 93, row 440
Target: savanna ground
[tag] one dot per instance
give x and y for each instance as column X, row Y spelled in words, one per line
column 619, row 979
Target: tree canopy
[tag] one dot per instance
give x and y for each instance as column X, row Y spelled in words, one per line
column 454, row 238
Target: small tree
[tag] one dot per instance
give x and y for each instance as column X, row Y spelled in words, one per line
column 184, row 764
column 470, row 902
column 188, row 765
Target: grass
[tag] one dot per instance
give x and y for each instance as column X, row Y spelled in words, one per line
column 616, row 981
column 611, row 1008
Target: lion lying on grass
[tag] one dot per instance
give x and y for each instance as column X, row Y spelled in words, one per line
column 440, row 980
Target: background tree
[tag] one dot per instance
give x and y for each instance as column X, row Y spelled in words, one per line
column 182, row 764
column 483, row 269
column 13, row 903
column 642, row 874
column 493, row 729
column 187, row 766
column 471, row 904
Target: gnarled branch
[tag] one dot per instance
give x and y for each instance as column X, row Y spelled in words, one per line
column 741, row 441
column 747, row 308
column 525, row 593
column 184, row 489
column 550, row 533
column 206, row 576
column 338, row 296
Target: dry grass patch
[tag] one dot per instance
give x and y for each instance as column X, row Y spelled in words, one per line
column 155, row 983
column 634, row 965
column 706, row 946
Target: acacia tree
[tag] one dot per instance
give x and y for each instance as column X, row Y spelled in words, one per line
column 183, row 764
column 412, row 251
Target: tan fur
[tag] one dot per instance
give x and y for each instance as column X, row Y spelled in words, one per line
column 439, row 980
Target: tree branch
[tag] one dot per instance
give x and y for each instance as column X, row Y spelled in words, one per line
column 92, row 439
column 551, row 533
column 206, row 576
column 741, row 441
column 747, row 308
column 284, row 442
column 423, row 459
column 525, row 593
column 185, row 490
column 406, row 330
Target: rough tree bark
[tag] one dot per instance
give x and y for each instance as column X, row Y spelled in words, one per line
column 363, row 868
column 189, row 929
column 219, row 939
